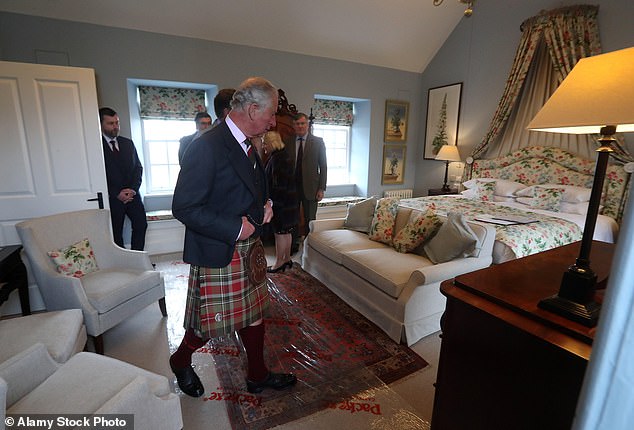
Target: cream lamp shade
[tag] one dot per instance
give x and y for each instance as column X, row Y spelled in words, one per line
column 448, row 153
column 597, row 92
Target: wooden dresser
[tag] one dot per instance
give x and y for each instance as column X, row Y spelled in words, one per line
column 505, row 363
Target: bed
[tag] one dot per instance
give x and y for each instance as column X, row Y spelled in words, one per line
column 548, row 186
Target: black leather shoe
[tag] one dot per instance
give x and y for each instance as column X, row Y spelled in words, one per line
column 188, row 381
column 270, row 269
column 289, row 264
column 277, row 381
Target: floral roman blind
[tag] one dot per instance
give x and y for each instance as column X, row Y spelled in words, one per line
column 333, row 112
column 170, row 103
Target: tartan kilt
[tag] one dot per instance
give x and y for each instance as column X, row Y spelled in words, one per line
column 223, row 300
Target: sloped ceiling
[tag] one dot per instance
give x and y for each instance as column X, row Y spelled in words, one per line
column 399, row 34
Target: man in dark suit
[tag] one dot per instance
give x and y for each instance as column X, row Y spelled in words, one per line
column 123, row 174
column 311, row 170
column 222, row 198
column 203, row 121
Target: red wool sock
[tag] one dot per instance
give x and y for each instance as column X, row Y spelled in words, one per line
column 253, row 341
column 183, row 355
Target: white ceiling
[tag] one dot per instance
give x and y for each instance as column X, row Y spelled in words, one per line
column 399, row 34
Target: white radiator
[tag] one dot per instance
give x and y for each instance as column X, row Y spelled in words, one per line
column 401, row 194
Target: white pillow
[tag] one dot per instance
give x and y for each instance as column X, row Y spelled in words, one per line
column 503, row 187
column 572, row 194
column 470, row 193
column 574, row 208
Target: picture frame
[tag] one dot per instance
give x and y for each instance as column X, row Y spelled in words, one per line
column 396, row 121
column 393, row 171
column 443, row 112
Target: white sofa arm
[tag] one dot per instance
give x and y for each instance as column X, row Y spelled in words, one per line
column 124, row 259
column 25, row 371
column 326, row 224
column 443, row 271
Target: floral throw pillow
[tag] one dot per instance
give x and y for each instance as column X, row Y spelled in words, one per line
column 77, row 260
column 547, row 198
column 485, row 190
column 382, row 227
column 420, row 227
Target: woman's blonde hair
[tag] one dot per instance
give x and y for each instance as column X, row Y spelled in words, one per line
column 273, row 140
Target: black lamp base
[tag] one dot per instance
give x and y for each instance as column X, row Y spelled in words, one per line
column 575, row 298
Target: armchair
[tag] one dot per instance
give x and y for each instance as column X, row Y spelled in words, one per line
column 123, row 283
column 31, row 382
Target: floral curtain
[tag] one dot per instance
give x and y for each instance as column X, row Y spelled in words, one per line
column 333, row 112
column 171, row 103
column 570, row 33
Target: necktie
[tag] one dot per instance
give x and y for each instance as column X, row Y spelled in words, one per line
column 298, row 164
column 250, row 152
column 113, row 145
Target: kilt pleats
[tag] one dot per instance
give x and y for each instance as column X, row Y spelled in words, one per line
column 222, row 300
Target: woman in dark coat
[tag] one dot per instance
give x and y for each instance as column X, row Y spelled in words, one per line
column 280, row 175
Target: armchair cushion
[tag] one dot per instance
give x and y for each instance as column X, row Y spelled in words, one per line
column 107, row 289
column 76, row 260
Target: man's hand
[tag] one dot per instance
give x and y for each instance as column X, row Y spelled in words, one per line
column 268, row 212
column 247, row 229
column 126, row 195
column 320, row 195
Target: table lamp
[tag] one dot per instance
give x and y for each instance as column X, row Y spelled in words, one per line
column 448, row 154
column 597, row 96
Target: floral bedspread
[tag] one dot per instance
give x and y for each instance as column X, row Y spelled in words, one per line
column 523, row 239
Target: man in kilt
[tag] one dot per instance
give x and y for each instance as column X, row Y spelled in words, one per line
column 222, row 199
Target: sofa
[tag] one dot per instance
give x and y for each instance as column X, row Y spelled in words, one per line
column 398, row 291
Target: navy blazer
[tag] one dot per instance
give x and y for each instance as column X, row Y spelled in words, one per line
column 216, row 186
column 123, row 170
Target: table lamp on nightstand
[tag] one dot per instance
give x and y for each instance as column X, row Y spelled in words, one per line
column 448, row 154
column 597, row 96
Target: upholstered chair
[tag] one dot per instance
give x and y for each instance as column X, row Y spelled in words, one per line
column 62, row 333
column 76, row 264
column 31, row 382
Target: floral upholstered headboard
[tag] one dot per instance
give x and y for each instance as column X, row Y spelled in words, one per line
column 548, row 165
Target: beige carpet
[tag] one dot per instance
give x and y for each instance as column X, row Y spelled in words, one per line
column 147, row 339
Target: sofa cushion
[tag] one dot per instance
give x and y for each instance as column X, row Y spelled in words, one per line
column 382, row 228
column 384, row 267
column 454, row 239
column 359, row 216
column 421, row 226
column 334, row 243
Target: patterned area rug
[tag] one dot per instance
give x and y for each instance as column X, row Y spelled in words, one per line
column 336, row 353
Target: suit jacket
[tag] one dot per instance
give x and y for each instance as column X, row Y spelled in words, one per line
column 123, row 170
column 314, row 165
column 184, row 144
column 216, row 186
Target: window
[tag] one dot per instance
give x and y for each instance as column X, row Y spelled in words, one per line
column 167, row 114
column 161, row 139
column 333, row 123
column 337, row 140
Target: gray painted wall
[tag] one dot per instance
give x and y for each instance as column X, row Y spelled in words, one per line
column 479, row 53
column 118, row 54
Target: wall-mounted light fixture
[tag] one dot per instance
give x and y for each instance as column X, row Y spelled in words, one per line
column 467, row 12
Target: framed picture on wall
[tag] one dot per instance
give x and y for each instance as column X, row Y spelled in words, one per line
column 393, row 164
column 443, row 110
column 396, row 114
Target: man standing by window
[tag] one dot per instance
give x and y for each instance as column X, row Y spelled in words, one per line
column 203, row 121
column 123, row 174
column 310, row 171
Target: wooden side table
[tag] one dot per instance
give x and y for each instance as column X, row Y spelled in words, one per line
column 505, row 363
column 441, row 192
column 13, row 276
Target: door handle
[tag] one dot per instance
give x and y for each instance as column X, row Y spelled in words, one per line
column 98, row 199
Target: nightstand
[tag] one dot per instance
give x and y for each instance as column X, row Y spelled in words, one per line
column 441, row 192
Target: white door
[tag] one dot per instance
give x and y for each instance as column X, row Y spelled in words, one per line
column 51, row 157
